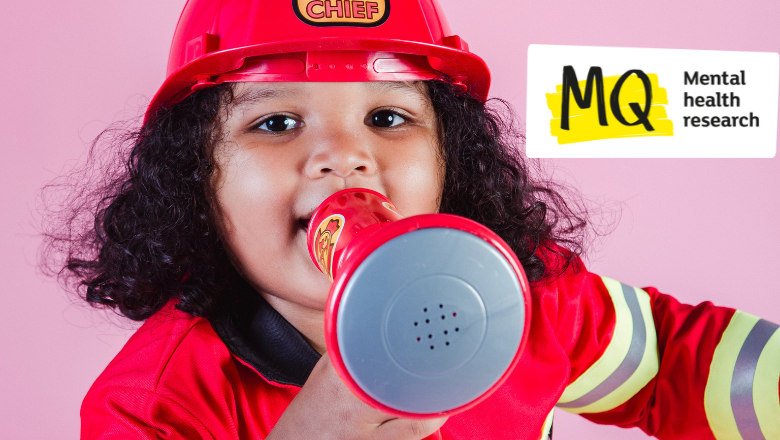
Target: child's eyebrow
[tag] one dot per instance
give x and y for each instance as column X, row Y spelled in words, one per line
column 260, row 94
column 402, row 86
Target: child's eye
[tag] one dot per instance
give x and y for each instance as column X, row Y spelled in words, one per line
column 386, row 119
column 279, row 123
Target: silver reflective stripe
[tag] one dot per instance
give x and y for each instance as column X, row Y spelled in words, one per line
column 629, row 364
column 742, row 380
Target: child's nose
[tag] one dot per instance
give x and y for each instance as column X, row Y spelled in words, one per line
column 342, row 156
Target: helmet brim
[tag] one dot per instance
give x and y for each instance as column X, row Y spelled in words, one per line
column 459, row 66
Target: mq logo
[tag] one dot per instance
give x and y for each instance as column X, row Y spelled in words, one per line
column 633, row 93
column 361, row 13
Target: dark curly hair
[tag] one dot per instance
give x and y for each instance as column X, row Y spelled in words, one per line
column 146, row 232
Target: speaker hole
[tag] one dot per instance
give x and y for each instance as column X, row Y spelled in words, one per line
column 457, row 329
column 425, row 310
column 454, row 314
column 431, row 347
column 415, row 324
column 430, row 336
column 427, row 321
column 441, row 306
column 445, row 332
column 448, row 342
column 418, row 338
column 442, row 316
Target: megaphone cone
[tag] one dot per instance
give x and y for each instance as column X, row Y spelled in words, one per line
column 427, row 315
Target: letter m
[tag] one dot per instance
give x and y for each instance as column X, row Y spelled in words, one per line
column 570, row 83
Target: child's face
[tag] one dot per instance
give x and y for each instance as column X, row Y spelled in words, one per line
column 288, row 146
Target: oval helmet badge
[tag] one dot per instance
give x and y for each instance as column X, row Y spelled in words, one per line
column 359, row 13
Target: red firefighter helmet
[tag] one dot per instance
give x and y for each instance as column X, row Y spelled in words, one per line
column 219, row 41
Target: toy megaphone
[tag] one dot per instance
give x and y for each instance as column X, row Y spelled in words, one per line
column 427, row 315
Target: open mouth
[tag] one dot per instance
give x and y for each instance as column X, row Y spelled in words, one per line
column 305, row 219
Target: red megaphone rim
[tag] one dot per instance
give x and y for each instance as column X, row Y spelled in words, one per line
column 369, row 244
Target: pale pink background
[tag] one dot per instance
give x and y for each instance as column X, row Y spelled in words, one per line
column 698, row 229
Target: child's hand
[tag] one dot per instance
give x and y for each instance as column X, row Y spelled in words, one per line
column 326, row 409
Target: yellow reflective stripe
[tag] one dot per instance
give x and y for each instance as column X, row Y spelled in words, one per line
column 615, row 352
column 717, row 393
column 766, row 400
column 647, row 369
column 547, row 428
column 619, row 374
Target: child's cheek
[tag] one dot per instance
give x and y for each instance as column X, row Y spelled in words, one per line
column 415, row 186
column 256, row 193
column 255, row 198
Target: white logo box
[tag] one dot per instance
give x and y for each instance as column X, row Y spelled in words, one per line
column 758, row 96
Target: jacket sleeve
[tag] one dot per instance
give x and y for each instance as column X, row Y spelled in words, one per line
column 640, row 358
column 133, row 413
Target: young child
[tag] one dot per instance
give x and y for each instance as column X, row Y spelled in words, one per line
column 271, row 106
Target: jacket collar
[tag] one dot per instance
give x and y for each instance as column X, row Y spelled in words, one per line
column 259, row 336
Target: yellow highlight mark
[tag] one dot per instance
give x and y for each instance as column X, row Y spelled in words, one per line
column 584, row 123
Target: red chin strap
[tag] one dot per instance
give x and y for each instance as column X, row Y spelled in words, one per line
column 427, row 315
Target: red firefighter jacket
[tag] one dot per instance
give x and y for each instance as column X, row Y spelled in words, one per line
column 613, row 353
